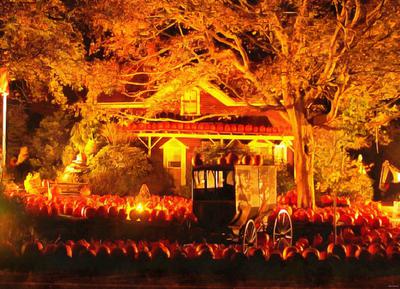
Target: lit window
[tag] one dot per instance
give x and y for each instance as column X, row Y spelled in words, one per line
column 199, row 179
column 190, row 102
column 229, row 179
column 215, row 179
column 174, row 161
column 210, row 179
column 174, row 158
column 280, row 154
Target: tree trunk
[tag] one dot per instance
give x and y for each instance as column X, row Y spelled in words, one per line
column 303, row 159
column 303, row 141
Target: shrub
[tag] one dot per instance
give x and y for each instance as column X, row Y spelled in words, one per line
column 48, row 143
column 159, row 181
column 346, row 182
column 285, row 180
column 335, row 170
column 118, row 169
column 86, row 135
column 213, row 151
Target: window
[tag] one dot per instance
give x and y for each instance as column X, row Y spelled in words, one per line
column 190, row 102
column 174, row 160
column 229, row 178
column 280, row 154
column 215, row 179
column 199, row 179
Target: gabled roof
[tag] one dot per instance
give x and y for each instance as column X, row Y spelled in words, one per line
column 276, row 118
column 205, row 85
column 174, row 143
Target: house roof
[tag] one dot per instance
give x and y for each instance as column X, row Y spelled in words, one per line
column 174, row 143
column 276, row 118
column 118, row 100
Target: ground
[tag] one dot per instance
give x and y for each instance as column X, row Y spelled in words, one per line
column 55, row 281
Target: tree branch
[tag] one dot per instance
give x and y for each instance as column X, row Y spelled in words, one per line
column 238, row 47
column 384, row 120
column 299, row 25
column 138, row 95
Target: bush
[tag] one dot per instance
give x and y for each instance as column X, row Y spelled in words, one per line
column 48, row 143
column 285, row 180
column 86, row 135
column 213, row 151
column 334, row 168
column 159, row 181
column 348, row 182
column 118, row 169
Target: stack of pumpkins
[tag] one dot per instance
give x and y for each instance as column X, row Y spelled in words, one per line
column 228, row 160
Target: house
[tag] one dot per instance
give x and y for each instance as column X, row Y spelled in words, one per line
column 205, row 114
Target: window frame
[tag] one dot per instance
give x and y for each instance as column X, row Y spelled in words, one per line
column 186, row 102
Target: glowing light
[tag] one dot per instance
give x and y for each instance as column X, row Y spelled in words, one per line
column 139, row 208
column 33, row 183
column 4, row 89
column 85, row 191
column 49, row 194
column 396, row 177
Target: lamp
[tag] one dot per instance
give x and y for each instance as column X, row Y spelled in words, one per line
column 4, row 92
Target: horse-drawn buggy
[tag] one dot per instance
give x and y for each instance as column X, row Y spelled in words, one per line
column 238, row 202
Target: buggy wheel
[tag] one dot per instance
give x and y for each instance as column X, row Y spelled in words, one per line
column 187, row 224
column 249, row 237
column 187, row 231
column 283, row 230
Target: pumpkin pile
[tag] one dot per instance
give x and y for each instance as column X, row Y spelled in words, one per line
column 372, row 249
column 175, row 209
column 347, row 214
column 366, row 241
column 159, row 209
column 290, row 199
column 368, row 214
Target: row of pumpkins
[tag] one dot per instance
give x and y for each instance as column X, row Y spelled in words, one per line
column 154, row 208
column 176, row 209
column 290, row 198
column 361, row 214
column 371, row 246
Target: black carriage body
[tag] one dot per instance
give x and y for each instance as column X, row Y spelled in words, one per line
column 228, row 196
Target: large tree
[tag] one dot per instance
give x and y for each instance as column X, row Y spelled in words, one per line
column 47, row 55
column 306, row 59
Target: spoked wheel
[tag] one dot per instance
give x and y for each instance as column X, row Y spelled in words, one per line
column 283, row 230
column 187, row 225
column 249, row 237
